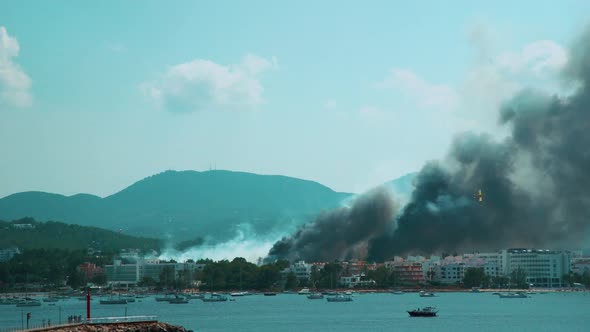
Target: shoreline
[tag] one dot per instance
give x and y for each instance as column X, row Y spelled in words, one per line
column 339, row 290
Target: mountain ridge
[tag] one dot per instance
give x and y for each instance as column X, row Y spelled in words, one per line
column 183, row 205
column 180, row 202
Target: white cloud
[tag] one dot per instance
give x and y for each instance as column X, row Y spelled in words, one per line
column 540, row 57
column 15, row 85
column 426, row 94
column 203, row 84
column 330, row 104
column 492, row 80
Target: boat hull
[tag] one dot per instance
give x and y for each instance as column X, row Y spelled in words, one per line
column 113, row 302
column 421, row 314
column 29, row 304
column 339, row 299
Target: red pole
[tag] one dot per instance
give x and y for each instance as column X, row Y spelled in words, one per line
column 88, row 304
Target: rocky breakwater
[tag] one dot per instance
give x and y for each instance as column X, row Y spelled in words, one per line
column 119, row 327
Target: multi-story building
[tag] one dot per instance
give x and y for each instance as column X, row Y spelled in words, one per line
column 301, row 269
column 449, row 272
column 356, row 280
column 452, row 269
column 356, row 267
column 581, row 265
column 494, row 262
column 8, row 253
column 409, row 272
column 543, row 268
column 122, row 274
column 131, row 274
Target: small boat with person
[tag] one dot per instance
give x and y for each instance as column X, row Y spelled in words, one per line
column 423, row 312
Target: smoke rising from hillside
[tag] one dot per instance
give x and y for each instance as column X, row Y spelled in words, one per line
column 246, row 244
column 535, row 183
column 343, row 233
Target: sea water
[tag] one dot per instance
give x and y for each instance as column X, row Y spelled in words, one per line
column 368, row 312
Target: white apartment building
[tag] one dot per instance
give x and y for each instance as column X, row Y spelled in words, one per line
column 301, row 269
column 451, row 270
column 131, row 274
column 495, row 262
column 544, row 268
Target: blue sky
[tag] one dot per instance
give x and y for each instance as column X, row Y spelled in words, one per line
column 95, row 96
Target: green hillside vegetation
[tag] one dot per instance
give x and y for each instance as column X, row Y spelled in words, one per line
column 50, row 268
column 185, row 205
column 57, row 235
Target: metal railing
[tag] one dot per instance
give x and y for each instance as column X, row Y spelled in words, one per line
column 125, row 319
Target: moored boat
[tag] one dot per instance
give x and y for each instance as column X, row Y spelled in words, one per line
column 304, row 291
column 513, row 295
column 192, row 296
column 315, row 296
column 339, row 298
column 270, row 294
column 113, row 301
column 51, row 299
column 29, row 303
column 178, row 300
column 215, row 298
column 426, row 294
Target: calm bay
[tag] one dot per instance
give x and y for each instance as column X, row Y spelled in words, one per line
column 370, row 312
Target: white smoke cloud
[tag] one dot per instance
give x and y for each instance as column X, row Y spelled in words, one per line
column 245, row 244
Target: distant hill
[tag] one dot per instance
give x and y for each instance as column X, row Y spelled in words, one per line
column 402, row 187
column 185, row 205
column 27, row 233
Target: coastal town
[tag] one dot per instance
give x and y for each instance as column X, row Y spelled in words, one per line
column 515, row 267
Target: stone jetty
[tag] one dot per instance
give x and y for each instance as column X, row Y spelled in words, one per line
column 116, row 327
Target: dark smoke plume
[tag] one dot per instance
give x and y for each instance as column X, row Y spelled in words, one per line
column 536, row 182
column 339, row 234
